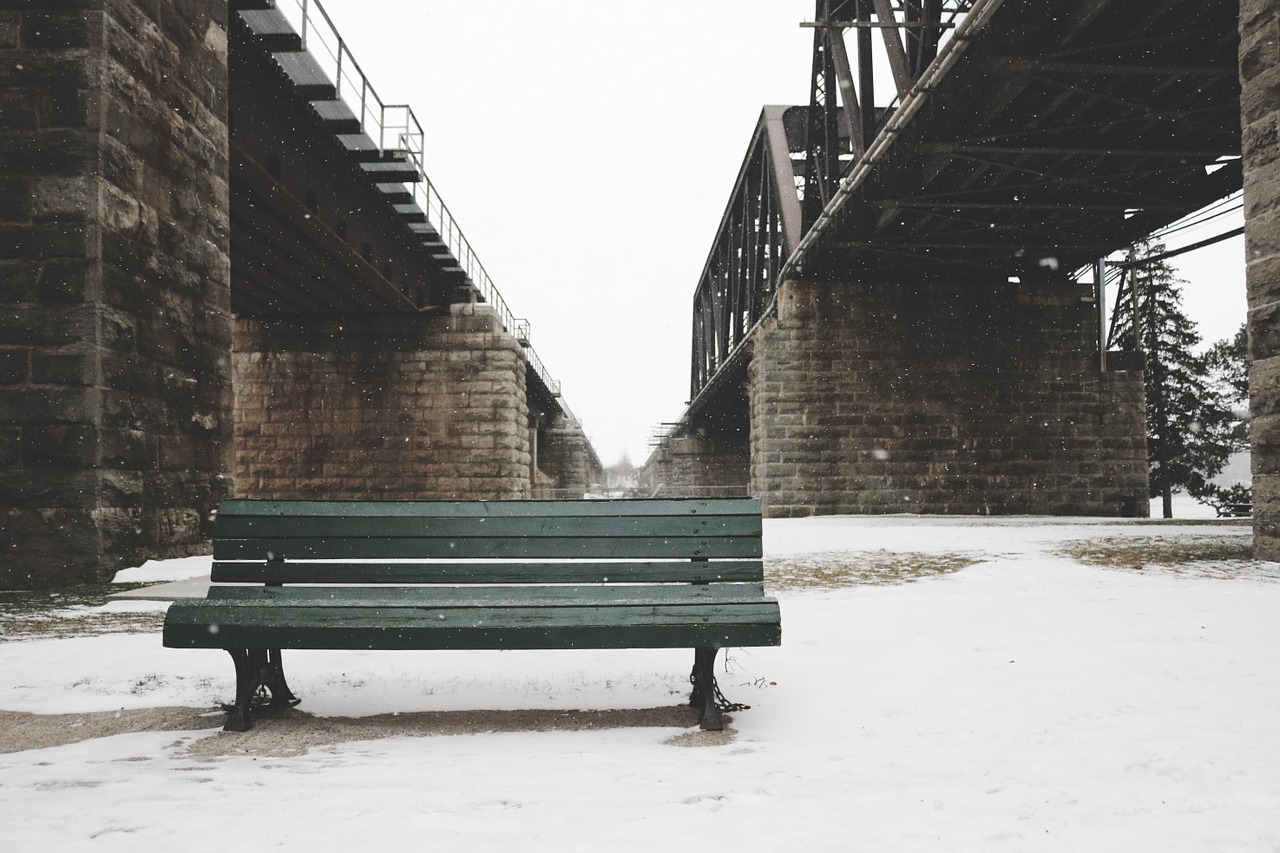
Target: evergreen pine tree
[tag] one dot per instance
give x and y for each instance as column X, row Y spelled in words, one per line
column 1189, row 420
column 1228, row 362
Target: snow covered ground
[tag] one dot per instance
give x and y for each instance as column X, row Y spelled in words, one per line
column 1024, row 701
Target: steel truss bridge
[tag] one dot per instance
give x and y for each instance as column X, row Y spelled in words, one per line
column 970, row 141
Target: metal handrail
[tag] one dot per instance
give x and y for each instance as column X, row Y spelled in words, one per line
column 395, row 128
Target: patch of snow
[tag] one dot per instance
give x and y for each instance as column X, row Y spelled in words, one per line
column 1027, row 702
column 166, row 570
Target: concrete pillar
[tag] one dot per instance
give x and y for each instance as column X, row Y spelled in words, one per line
column 115, row 382
column 942, row 399
column 1260, row 126
column 406, row 407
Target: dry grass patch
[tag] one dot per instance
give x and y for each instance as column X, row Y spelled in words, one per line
column 873, row 568
column 70, row 612
column 1223, row 557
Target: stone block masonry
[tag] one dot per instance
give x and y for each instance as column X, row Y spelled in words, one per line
column 1260, row 142
column 115, row 381
column 567, row 459
column 700, row 466
column 877, row 398
column 393, row 408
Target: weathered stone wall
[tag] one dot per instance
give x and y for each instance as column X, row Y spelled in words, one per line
column 387, row 407
column 699, row 465
column 1260, row 125
column 115, row 395
column 566, row 457
column 928, row 398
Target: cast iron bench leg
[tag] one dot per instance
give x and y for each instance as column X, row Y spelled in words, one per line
column 273, row 678
column 703, row 696
column 239, row 718
column 257, row 668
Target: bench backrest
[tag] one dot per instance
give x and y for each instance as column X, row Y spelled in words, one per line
column 489, row 542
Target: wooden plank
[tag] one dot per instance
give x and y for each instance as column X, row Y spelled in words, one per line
column 623, row 508
column 646, row 526
column 604, row 547
column 613, row 595
column 597, row 637
column 249, row 615
column 649, row 571
column 203, row 624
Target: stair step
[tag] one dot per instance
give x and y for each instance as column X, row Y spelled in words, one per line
column 242, row 5
column 425, row 230
column 359, row 146
column 306, row 75
column 395, row 193
column 271, row 29
column 395, row 171
column 337, row 117
column 410, row 213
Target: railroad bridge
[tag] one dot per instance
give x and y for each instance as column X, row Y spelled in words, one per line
column 903, row 309
column 225, row 270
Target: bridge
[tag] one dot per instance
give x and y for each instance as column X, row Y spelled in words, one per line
column 903, row 307
column 227, row 271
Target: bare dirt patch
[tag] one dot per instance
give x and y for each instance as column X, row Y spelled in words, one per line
column 281, row 734
column 20, row 731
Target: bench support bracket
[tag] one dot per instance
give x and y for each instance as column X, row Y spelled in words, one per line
column 257, row 670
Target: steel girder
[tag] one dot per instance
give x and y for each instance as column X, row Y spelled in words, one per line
column 759, row 230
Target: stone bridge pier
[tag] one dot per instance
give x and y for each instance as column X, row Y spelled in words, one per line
column 942, row 398
column 115, row 334
column 397, row 408
column 567, row 465
column 134, row 395
column 923, row 397
column 1260, row 127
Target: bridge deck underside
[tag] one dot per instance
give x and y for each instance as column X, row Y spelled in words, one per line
column 1066, row 131
column 323, row 223
column 313, row 230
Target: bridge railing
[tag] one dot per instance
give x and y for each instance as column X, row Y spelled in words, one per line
column 396, row 130
column 847, row 122
column 758, row 231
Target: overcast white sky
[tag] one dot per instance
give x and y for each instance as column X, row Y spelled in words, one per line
column 588, row 149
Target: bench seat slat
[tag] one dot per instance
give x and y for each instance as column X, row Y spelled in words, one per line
column 209, row 624
column 449, row 527
column 486, row 572
column 604, row 547
column 490, row 596
column 492, row 509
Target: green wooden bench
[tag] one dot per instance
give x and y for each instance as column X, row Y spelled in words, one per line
column 607, row 574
